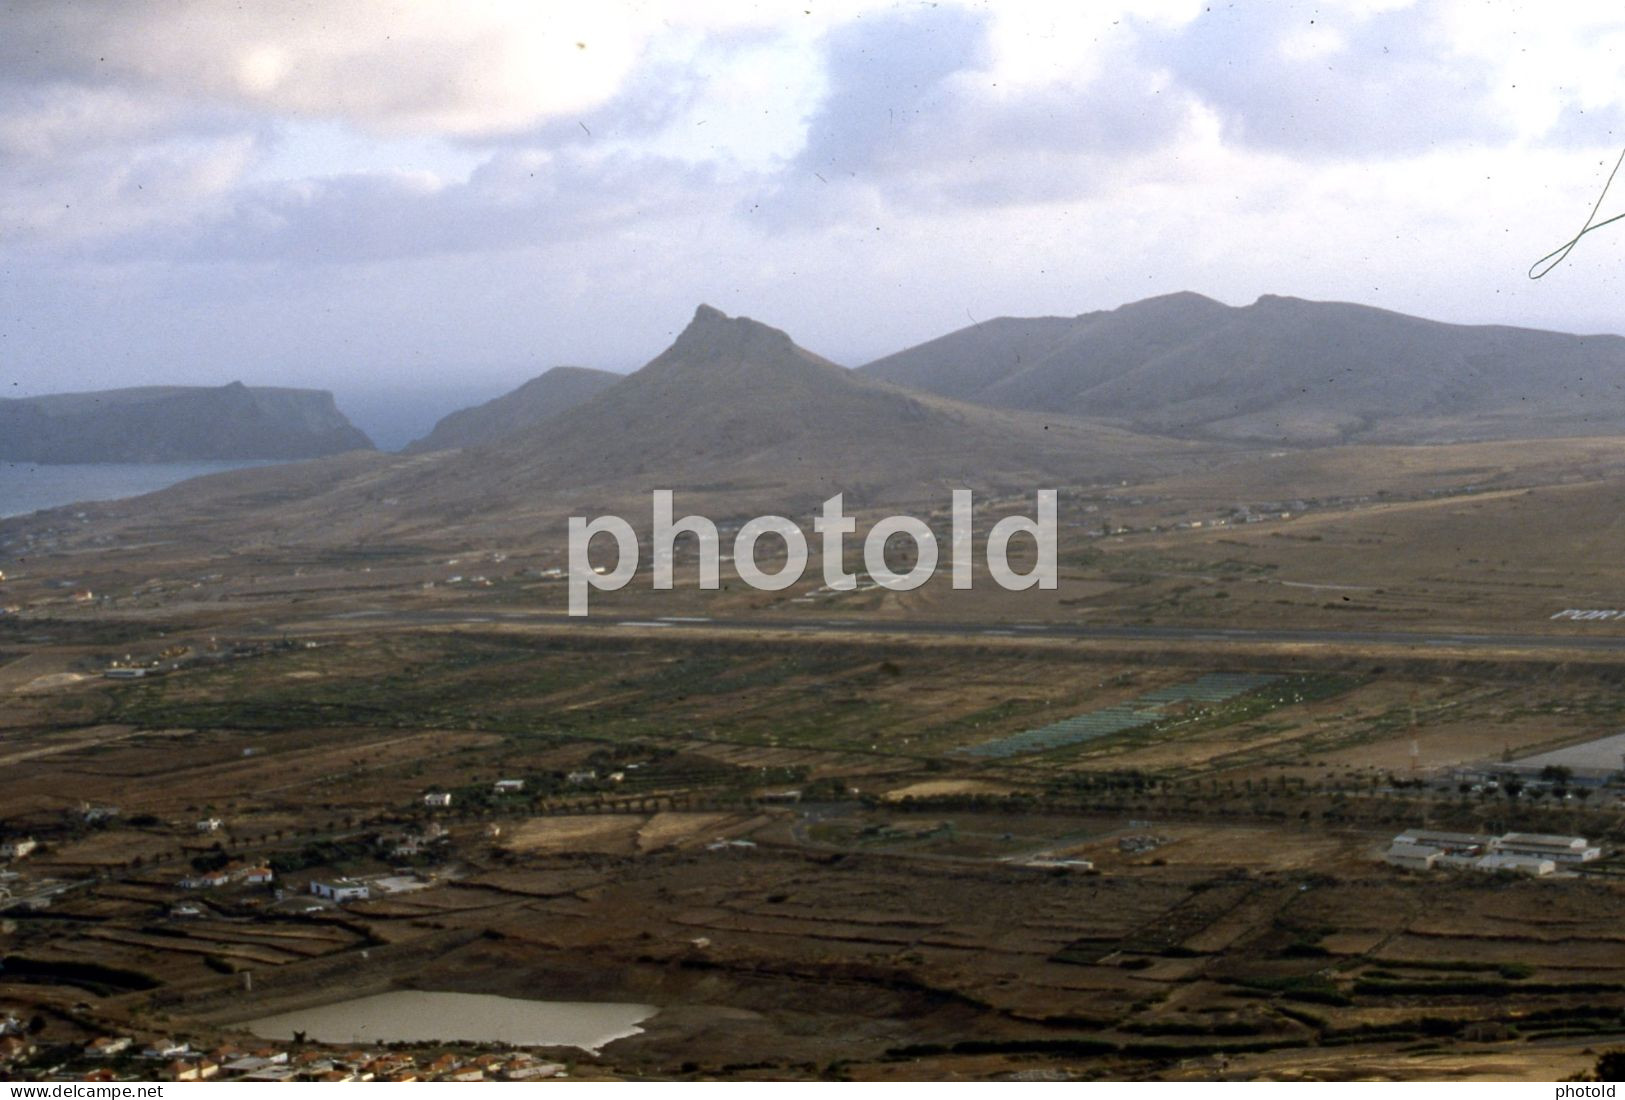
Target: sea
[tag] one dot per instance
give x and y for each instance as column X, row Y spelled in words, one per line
column 27, row 487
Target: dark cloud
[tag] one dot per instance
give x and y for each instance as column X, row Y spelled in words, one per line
column 1392, row 87
column 889, row 91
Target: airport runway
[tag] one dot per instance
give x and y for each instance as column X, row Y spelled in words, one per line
column 1173, row 635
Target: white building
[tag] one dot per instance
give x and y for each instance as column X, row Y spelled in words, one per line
column 18, row 848
column 1412, row 857
column 210, row 825
column 508, row 786
column 437, row 799
column 1562, row 849
column 340, row 889
column 1523, row 865
column 165, row 1048
column 205, row 880
column 1521, row 853
column 1448, row 843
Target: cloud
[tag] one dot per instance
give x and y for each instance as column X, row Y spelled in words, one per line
column 517, row 199
column 920, row 112
column 481, row 67
column 1324, row 80
column 84, row 165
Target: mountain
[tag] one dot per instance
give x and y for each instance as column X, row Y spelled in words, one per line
column 733, row 416
column 175, row 424
column 734, row 406
column 1282, row 370
column 536, row 402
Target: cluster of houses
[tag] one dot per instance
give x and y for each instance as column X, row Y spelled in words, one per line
column 270, row 1064
column 234, row 873
column 1520, row 853
column 15, row 1042
column 409, row 844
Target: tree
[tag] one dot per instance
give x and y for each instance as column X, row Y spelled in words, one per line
column 1610, row 1066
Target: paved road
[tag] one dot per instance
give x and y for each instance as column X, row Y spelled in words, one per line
column 1604, row 643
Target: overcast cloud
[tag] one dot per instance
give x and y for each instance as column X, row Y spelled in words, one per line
column 392, row 197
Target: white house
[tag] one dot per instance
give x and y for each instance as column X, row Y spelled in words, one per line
column 165, row 1048
column 18, row 848
column 340, row 889
column 508, row 786
column 205, row 880
column 210, row 825
column 437, row 799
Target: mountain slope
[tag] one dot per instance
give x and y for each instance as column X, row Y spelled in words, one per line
column 175, row 424
column 536, row 402
column 1282, row 370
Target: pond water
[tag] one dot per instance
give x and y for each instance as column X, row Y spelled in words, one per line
column 410, row 1015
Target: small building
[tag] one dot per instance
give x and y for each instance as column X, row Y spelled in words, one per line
column 1454, row 844
column 256, row 876
column 531, row 1071
column 340, row 889
column 205, row 880
column 124, row 673
column 1561, row 849
column 1412, row 857
column 508, row 786
column 165, row 1048
column 106, row 1046
column 248, row 1063
column 581, row 776
column 210, row 825
column 1522, row 865
column 437, row 799
column 1060, row 863
column 18, row 847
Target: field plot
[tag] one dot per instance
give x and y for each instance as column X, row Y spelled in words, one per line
column 621, row 834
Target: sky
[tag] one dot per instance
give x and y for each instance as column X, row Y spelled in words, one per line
column 420, row 205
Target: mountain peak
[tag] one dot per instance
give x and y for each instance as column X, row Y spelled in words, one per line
column 713, row 333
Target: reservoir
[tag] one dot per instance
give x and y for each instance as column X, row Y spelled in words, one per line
column 416, row 1016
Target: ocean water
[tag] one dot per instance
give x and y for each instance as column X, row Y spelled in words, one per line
column 27, row 487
